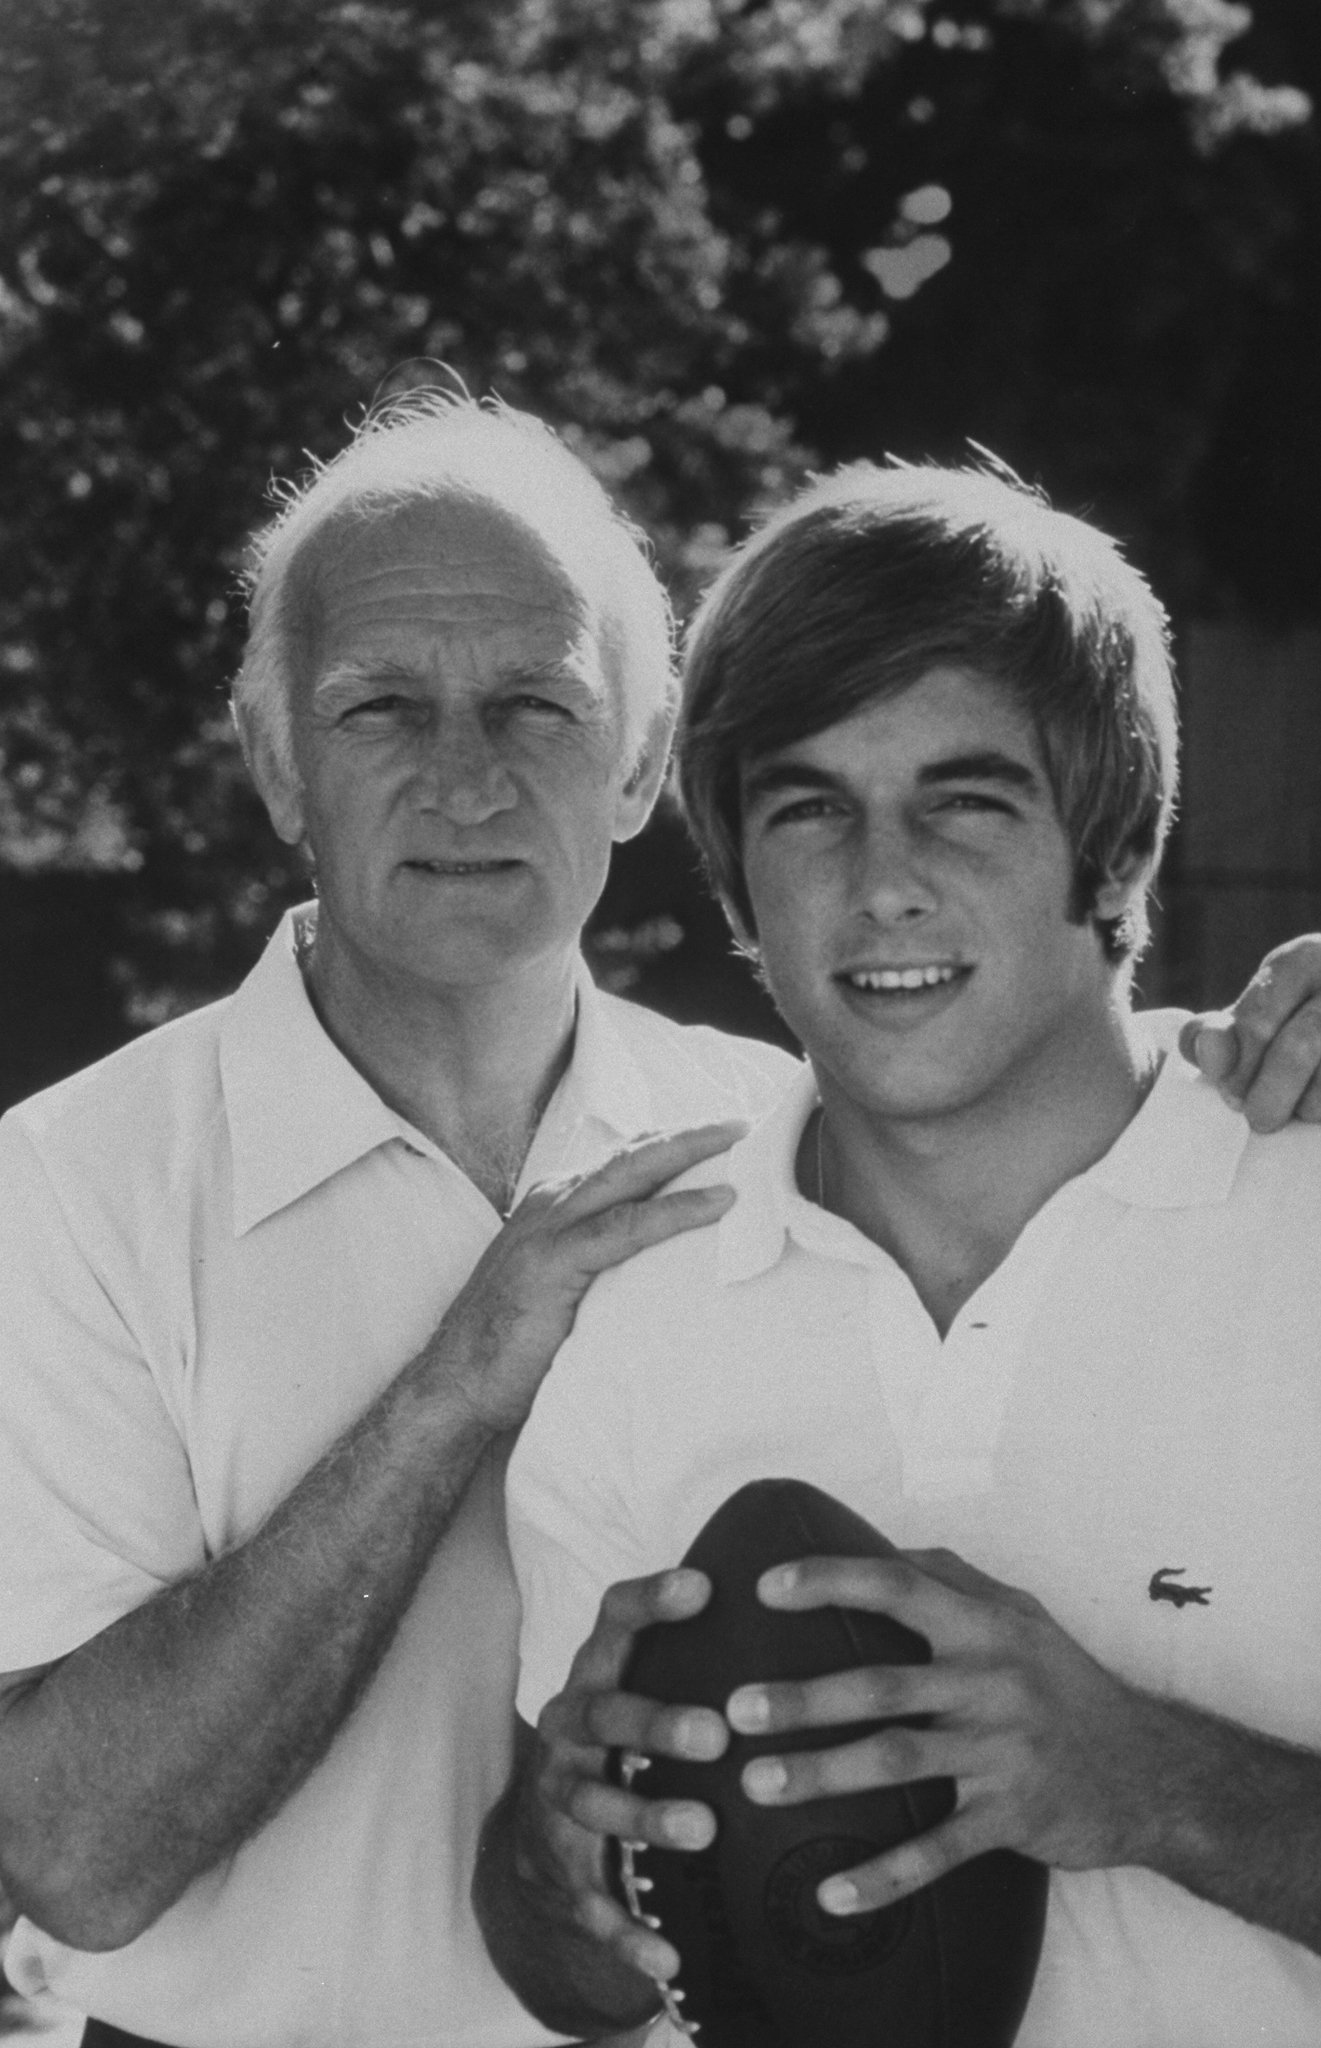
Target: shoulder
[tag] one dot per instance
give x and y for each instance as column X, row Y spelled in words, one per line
column 665, row 1303
column 1283, row 1172
column 1197, row 1154
column 146, row 1106
column 639, row 1332
column 697, row 1072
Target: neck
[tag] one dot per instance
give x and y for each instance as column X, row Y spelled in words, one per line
column 947, row 1196
column 471, row 1067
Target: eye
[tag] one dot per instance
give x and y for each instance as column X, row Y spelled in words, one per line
column 542, row 707
column 385, row 704
column 973, row 801
column 804, row 810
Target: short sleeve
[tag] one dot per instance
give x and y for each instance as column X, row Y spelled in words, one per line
column 97, row 1508
column 571, row 1532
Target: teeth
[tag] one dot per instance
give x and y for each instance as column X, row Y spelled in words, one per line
column 457, row 867
column 901, row 977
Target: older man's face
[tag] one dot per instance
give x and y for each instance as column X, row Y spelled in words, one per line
column 458, row 753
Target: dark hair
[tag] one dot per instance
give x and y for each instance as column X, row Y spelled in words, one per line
column 870, row 578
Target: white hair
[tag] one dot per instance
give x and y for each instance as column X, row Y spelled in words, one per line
column 434, row 446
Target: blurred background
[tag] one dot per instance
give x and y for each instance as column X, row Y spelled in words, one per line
column 717, row 243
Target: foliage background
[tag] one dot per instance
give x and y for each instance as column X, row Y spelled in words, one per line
column 716, row 242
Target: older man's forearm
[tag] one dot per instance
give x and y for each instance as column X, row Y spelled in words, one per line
column 137, row 1762
column 140, row 1760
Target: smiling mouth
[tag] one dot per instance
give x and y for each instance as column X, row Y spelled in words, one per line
column 463, row 867
column 902, row 981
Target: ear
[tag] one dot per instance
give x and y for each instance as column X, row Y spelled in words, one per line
column 276, row 785
column 639, row 793
column 1123, row 883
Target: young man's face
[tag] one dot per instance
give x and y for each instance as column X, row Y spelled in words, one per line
column 911, row 883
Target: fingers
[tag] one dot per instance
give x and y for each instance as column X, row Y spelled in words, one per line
column 621, row 1811
column 496, row 1341
column 869, row 1693
column 1211, row 1043
column 961, row 1577
column 1275, row 1079
column 634, row 1173
column 908, row 1868
column 599, row 1219
column 609, row 1719
column 1266, row 1051
column 608, row 1922
column 626, row 1607
column 1286, row 1081
column 592, row 1716
column 609, row 1237
column 894, row 1755
column 890, row 1585
column 622, row 1720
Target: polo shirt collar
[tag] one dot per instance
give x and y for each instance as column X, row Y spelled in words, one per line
column 769, row 1209
column 604, row 1083
column 1181, row 1150
column 299, row 1111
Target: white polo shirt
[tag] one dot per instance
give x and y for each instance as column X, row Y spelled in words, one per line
column 216, row 1248
column 1136, row 1390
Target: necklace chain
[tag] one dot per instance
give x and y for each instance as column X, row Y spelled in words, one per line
column 820, row 1160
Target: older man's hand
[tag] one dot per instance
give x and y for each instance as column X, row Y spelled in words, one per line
column 1264, row 1054
column 518, row 1306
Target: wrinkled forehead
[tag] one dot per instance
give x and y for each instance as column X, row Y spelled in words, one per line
column 453, row 560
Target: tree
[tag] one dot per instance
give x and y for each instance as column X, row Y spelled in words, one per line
column 703, row 238
column 1062, row 219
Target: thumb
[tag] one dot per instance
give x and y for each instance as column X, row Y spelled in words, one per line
column 1211, row 1045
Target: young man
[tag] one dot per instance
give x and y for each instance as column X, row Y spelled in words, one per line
column 1002, row 1273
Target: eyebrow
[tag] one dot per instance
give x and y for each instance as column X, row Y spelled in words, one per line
column 768, row 778
column 989, row 765
column 985, row 765
column 573, row 669
column 570, row 672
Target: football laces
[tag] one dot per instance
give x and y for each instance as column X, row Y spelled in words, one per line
column 636, row 1884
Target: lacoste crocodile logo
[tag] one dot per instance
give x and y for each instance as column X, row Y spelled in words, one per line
column 1160, row 1588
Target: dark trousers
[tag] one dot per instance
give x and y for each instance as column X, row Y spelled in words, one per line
column 99, row 2035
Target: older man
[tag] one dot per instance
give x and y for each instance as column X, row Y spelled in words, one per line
column 265, row 1338
column 264, row 1335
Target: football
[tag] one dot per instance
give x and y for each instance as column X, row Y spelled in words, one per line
column 761, row 1965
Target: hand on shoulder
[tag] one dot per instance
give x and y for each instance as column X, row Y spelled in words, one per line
column 1264, row 1052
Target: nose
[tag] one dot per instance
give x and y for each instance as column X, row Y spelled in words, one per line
column 461, row 774
column 893, row 883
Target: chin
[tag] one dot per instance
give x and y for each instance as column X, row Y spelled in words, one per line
column 898, row 1081
column 916, row 1105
